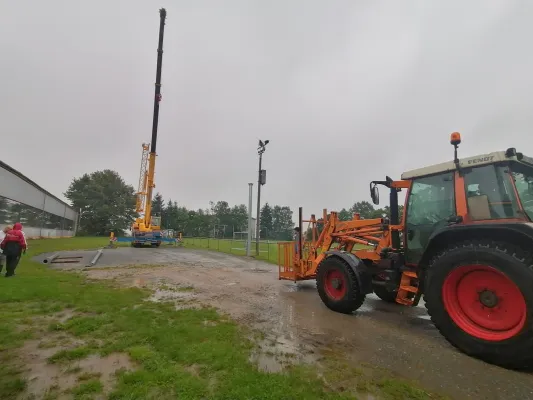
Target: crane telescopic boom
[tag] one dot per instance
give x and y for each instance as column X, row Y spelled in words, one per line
column 147, row 229
column 157, row 99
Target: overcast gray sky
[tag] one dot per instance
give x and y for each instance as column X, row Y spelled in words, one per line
column 346, row 91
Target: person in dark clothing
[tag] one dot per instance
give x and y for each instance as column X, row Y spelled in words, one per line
column 2, row 236
column 13, row 246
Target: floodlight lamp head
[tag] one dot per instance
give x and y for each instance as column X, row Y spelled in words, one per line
column 261, row 144
column 267, row 142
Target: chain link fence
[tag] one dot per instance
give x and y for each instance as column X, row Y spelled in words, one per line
column 268, row 250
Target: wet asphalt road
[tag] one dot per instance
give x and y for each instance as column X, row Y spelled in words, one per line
column 385, row 335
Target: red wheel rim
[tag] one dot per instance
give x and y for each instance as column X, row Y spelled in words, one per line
column 335, row 284
column 484, row 302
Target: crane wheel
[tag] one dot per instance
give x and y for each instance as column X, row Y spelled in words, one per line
column 338, row 286
column 479, row 296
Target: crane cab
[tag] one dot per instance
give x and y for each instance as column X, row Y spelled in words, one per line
column 147, row 235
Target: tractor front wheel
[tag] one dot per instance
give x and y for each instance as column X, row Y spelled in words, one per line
column 479, row 297
column 338, row 286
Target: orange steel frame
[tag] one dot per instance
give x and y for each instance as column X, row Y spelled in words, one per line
column 369, row 232
column 345, row 234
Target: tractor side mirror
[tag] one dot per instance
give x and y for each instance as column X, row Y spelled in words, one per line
column 374, row 193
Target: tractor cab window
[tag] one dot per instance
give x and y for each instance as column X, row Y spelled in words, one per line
column 490, row 193
column 523, row 178
column 431, row 203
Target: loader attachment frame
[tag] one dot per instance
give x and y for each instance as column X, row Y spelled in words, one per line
column 299, row 260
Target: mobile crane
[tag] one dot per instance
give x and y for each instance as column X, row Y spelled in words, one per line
column 147, row 228
column 464, row 242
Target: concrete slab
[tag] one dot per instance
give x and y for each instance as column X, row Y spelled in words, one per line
column 68, row 259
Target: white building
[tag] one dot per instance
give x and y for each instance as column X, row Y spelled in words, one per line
column 41, row 213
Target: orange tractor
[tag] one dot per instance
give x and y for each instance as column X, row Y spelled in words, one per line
column 464, row 241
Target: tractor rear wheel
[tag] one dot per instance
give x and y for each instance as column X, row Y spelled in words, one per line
column 338, row 286
column 479, row 296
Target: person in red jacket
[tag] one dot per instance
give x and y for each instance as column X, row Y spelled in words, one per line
column 13, row 246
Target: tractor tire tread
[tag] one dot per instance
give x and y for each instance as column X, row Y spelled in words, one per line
column 517, row 353
column 357, row 298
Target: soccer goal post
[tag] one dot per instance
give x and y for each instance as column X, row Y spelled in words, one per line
column 239, row 241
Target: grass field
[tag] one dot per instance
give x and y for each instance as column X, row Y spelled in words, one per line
column 176, row 354
column 268, row 250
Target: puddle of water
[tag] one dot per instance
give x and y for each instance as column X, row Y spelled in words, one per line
column 275, row 352
column 44, row 378
column 267, row 362
column 106, row 367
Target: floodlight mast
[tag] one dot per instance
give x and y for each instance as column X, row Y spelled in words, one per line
column 261, row 180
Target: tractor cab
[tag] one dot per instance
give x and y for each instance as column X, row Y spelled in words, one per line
column 487, row 189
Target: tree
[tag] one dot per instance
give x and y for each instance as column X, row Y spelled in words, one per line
column 107, row 203
column 282, row 224
column 221, row 212
column 199, row 223
column 265, row 221
column 364, row 208
column 239, row 217
column 167, row 214
column 345, row 215
column 158, row 205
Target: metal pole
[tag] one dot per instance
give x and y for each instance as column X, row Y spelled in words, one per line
column 250, row 224
column 51, row 258
column 95, row 258
column 300, row 215
column 258, row 216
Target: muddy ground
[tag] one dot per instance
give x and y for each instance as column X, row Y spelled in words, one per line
column 399, row 339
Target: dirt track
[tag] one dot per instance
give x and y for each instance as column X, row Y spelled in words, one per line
column 385, row 335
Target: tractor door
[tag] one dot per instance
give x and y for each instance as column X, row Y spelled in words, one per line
column 490, row 193
column 430, row 204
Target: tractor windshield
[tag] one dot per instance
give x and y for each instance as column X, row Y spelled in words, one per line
column 523, row 178
column 490, row 193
